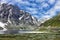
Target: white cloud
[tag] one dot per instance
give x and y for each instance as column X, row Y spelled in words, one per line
column 3, row 1
column 51, row 1
column 44, row 4
column 40, row 0
column 51, row 12
column 36, row 16
column 57, row 6
column 32, row 10
column 22, row 2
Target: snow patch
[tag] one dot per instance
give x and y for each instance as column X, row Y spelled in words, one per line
column 3, row 26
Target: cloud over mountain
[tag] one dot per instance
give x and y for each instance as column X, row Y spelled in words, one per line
column 37, row 8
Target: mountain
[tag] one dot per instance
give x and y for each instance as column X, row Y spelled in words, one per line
column 11, row 17
column 53, row 22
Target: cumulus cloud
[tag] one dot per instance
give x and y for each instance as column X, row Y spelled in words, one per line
column 54, row 10
column 37, row 8
column 51, row 1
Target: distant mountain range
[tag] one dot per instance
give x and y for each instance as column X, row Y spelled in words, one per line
column 11, row 17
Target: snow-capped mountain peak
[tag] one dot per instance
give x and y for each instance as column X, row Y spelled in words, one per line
column 11, row 15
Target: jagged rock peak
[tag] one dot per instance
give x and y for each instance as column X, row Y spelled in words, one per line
column 12, row 14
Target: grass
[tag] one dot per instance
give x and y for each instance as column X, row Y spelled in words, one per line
column 53, row 22
column 30, row 36
column 53, row 35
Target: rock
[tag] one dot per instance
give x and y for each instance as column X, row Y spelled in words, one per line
column 12, row 15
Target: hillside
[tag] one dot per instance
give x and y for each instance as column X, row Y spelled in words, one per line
column 53, row 22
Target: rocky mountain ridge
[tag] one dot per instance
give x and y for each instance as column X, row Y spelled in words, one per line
column 12, row 15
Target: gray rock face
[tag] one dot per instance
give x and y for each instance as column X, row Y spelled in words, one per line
column 12, row 15
column 9, row 12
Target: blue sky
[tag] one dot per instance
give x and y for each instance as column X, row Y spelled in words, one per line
column 37, row 8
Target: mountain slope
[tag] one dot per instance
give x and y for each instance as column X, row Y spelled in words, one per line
column 53, row 22
column 14, row 18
